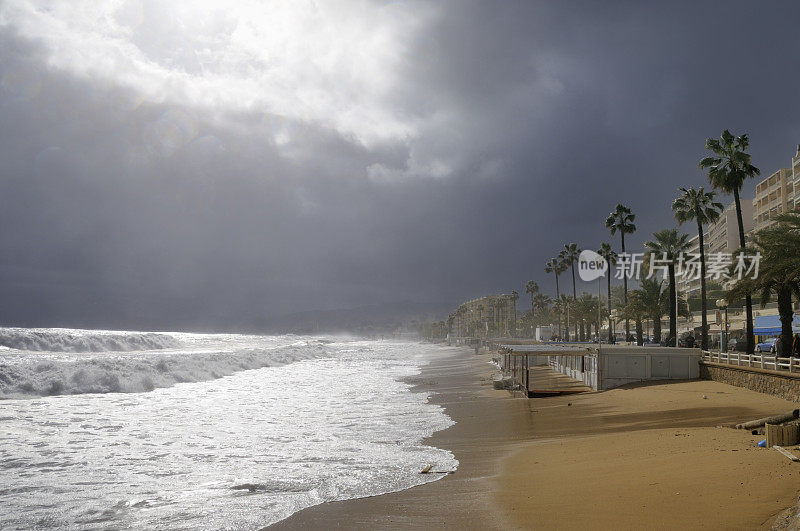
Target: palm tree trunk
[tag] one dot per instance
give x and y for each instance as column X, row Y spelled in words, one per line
column 639, row 333
column 625, row 291
column 610, row 334
column 673, row 308
column 657, row 329
column 574, row 290
column 703, row 301
column 786, row 314
column 748, row 300
column 558, row 298
column 574, row 295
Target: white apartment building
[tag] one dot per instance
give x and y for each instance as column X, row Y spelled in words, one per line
column 774, row 196
column 722, row 236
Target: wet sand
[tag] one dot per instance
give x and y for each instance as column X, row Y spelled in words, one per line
column 644, row 456
column 487, row 422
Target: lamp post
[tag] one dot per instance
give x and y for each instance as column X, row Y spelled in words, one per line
column 600, row 315
column 722, row 305
column 612, row 322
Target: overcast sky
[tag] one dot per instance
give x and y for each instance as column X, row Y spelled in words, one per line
column 197, row 164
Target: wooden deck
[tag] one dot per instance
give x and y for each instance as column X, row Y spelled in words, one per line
column 544, row 381
column 538, row 380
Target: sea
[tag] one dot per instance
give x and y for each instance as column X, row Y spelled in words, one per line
column 113, row 429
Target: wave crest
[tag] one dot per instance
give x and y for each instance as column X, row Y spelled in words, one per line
column 27, row 375
column 56, row 340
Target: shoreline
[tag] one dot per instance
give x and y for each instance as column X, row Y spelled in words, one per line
column 639, row 456
column 486, row 421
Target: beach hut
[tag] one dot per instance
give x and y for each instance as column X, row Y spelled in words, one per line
column 601, row 367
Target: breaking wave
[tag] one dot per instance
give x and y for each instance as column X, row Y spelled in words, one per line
column 239, row 452
column 128, row 366
column 64, row 340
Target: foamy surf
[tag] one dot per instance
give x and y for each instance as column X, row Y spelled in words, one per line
column 46, row 362
column 321, row 419
column 69, row 340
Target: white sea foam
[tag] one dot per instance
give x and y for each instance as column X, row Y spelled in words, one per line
column 320, row 420
column 133, row 361
column 68, row 340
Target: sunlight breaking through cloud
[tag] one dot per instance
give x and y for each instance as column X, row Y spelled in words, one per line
column 334, row 64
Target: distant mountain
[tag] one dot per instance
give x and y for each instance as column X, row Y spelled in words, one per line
column 365, row 320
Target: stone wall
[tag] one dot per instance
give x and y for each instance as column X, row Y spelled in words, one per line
column 779, row 383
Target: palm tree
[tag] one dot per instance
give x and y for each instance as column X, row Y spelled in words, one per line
column 500, row 305
column 728, row 168
column 670, row 244
column 586, row 310
column 569, row 255
column 461, row 311
column 531, row 288
column 699, row 205
column 635, row 311
column 651, row 300
column 514, row 298
column 580, row 314
column 779, row 271
column 621, row 220
column 611, row 258
column 541, row 305
column 541, row 302
column 565, row 305
column 554, row 265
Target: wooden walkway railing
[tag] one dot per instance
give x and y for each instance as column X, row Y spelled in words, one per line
column 759, row 361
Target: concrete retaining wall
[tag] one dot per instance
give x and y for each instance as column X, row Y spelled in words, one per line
column 783, row 384
column 616, row 366
column 620, row 365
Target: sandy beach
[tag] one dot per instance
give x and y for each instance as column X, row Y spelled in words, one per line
column 643, row 456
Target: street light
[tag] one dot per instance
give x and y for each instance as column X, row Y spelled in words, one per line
column 723, row 305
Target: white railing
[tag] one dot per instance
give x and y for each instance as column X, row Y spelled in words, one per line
column 759, row 361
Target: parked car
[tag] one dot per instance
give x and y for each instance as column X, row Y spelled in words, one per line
column 767, row 346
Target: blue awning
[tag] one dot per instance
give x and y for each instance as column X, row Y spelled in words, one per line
column 770, row 325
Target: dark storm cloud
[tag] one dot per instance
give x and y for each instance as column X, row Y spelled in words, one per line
column 535, row 120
